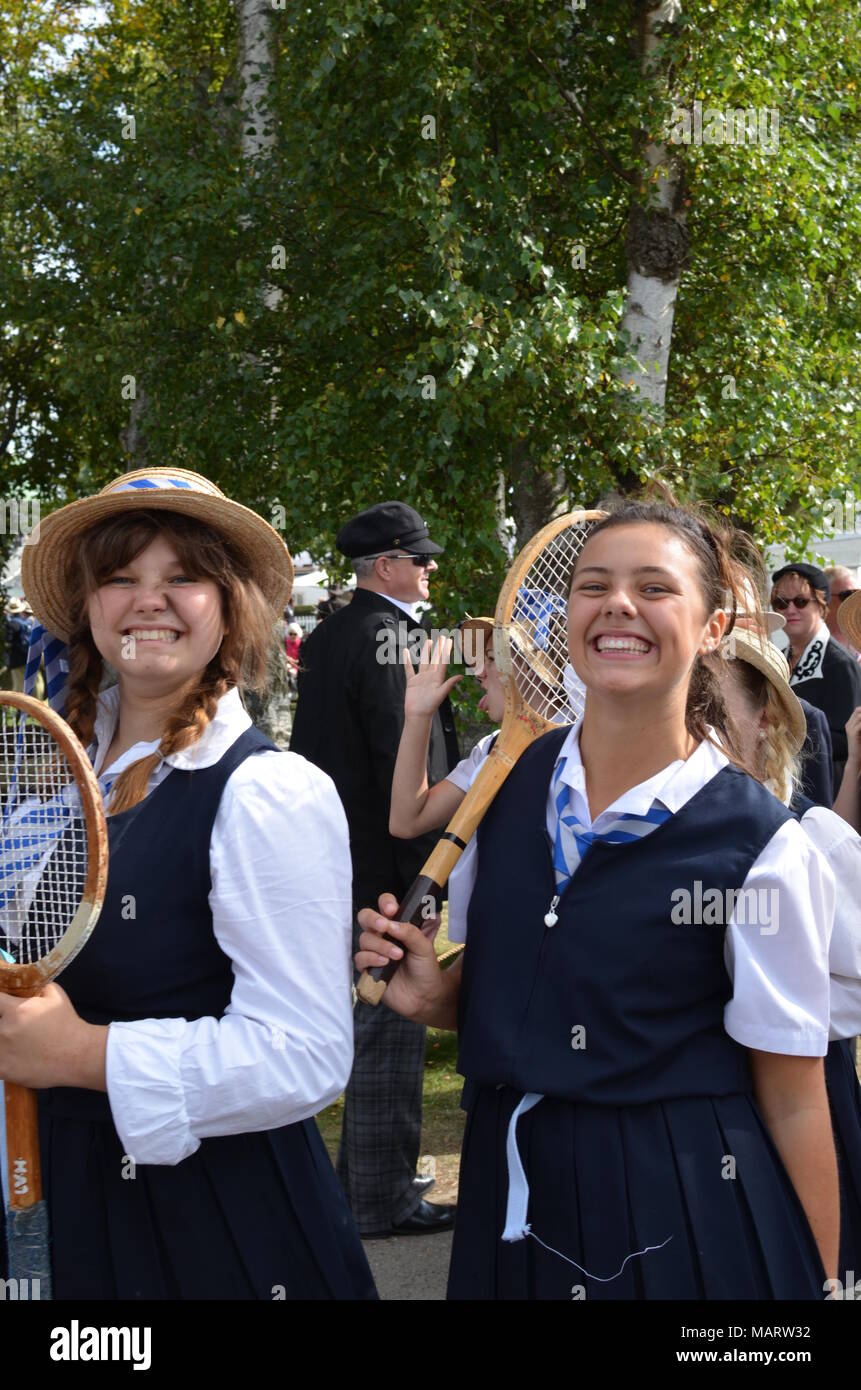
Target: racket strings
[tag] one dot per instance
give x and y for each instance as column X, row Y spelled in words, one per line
column 536, row 633
column 43, row 841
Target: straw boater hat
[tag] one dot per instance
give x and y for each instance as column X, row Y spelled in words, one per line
column 849, row 618
column 750, row 607
column 49, row 560
column 476, row 625
column 759, row 652
column 540, row 659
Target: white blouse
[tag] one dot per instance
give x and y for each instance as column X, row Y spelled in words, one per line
column 780, row 978
column 281, row 910
column 462, row 877
column 840, row 845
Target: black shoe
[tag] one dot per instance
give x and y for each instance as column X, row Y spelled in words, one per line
column 427, row 1219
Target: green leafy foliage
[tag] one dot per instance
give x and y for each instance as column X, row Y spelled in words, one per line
column 444, row 213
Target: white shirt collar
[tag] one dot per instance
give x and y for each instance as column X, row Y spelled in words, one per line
column 809, row 664
column 231, row 719
column 408, row 608
column 673, row 786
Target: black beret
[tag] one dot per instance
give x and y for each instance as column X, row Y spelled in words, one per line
column 387, row 526
column 817, row 579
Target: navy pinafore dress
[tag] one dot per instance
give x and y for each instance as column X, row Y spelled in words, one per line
column 649, row 1131
column 844, row 1098
column 247, row 1216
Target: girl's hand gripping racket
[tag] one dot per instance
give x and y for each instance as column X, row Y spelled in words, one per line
column 530, row 645
column 53, row 872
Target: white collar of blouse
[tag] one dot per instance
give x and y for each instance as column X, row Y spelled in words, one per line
column 231, row 720
column 809, row 664
column 674, row 785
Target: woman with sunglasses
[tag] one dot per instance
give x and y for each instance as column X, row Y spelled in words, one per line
column 823, row 672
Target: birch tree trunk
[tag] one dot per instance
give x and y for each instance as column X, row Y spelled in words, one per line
column 657, row 241
column 537, row 495
column 132, row 437
column 258, row 132
column 257, row 49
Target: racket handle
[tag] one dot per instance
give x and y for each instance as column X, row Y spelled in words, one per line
column 22, row 1147
column 415, row 910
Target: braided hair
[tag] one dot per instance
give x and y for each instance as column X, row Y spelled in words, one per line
column 240, row 660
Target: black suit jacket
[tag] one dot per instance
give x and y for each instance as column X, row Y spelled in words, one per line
column 837, row 692
column 817, row 757
column 348, row 721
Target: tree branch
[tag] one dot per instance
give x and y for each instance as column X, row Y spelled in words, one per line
column 629, row 175
column 11, row 419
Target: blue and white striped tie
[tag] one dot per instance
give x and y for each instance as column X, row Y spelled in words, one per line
column 573, row 839
column 56, row 656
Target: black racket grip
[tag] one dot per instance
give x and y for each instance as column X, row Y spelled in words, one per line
column 422, row 901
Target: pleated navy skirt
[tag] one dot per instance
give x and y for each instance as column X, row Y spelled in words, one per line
column 248, row 1216
column 844, row 1095
column 605, row 1183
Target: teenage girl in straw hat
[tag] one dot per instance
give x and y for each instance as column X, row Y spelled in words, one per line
column 769, row 730
column 623, row 1066
column 848, row 800
column 208, row 1017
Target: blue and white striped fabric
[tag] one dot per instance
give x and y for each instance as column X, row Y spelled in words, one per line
column 56, row 655
column 137, row 483
column 573, row 839
column 31, row 828
column 541, row 609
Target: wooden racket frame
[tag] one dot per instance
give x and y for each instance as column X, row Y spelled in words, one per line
column 521, row 726
column 24, row 981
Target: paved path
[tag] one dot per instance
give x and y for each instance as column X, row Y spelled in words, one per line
column 410, row 1267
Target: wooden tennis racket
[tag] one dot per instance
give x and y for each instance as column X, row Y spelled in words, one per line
column 530, row 645
column 53, row 872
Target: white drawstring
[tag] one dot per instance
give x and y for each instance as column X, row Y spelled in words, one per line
column 516, row 1225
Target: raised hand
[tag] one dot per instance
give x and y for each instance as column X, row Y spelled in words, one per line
column 428, row 687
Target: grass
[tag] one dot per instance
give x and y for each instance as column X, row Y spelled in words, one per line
column 442, row 1118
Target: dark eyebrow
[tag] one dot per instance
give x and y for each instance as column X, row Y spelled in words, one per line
column 641, row 569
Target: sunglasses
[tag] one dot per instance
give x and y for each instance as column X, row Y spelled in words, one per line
column 420, row 561
column 845, row 594
column 782, row 603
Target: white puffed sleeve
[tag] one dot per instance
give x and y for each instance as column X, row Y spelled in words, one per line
column 281, row 909
column 466, row 771
column 841, row 846
column 462, row 877
column 776, row 949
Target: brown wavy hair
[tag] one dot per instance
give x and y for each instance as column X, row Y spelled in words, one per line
column 710, row 543
column 240, row 660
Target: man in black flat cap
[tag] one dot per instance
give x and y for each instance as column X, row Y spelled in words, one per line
column 348, row 721
column 823, row 672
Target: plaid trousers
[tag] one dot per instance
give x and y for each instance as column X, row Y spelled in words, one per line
column 382, row 1129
